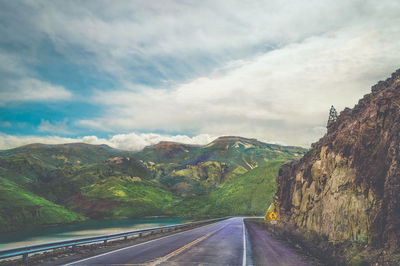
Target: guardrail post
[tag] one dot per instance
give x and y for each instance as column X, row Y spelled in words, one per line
column 125, row 237
column 25, row 258
column 73, row 248
column 105, row 242
column 140, row 234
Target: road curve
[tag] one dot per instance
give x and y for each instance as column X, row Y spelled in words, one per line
column 221, row 243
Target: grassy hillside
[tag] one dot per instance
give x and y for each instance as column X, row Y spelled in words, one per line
column 123, row 197
column 224, row 149
column 54, row 175
column 21, row 209
column 41, row 162
column 64, row 183
column 192, row 171
column 47, row 184
column 247, row 194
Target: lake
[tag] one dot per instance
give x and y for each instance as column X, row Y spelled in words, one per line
column 81, row 230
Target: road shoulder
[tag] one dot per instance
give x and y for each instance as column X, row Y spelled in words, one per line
column 269, row 251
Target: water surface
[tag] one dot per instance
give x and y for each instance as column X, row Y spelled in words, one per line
column 80, row 230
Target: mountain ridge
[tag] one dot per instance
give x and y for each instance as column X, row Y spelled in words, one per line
column 98, row 182
column 160, row 144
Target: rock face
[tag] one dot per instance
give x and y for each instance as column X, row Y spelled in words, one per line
column 347, row 187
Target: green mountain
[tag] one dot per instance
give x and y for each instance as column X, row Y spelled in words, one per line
column 72, row 176
column 123, row 197
column 197, row 170
column 247, row 194
column 50, row 184
column 21, row 209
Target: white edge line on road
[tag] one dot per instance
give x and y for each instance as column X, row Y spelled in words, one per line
column 244, row 243
column 117, row 250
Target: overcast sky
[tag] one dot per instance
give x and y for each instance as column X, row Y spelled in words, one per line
column 132, row 73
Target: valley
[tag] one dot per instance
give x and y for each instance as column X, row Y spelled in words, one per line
column 58, row 184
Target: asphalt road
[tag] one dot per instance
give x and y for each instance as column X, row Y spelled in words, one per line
column 221, row 243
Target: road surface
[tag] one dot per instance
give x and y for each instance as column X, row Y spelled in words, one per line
column 222, row 243
column 219, row 243
column 269, row 251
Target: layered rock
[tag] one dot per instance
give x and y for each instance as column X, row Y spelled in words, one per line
column 347, row 187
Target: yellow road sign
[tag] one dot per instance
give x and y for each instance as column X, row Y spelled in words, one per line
column 270, row 209
column 273, row 216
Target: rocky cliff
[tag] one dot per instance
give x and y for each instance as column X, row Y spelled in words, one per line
column 347, row 187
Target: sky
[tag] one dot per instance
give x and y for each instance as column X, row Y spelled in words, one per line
column 132, row 73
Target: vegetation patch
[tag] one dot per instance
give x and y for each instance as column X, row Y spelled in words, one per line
column 51, row 184
column 21, row 209
column 118, row 197
column 247, row 194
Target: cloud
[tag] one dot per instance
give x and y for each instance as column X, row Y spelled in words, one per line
column 146, row 40
column 13, row 64
column 282, row 96
column 59, row 127
column 265, row 69
column 130, row 142
column 134, row 141
column 29, row 89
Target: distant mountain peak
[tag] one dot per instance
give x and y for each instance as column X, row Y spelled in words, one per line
column 233, row 140
column 169, row 145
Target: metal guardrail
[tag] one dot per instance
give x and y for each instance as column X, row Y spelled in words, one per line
column 25, row 251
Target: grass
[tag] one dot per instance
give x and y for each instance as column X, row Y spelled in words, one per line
column 21, row 209
column 125, row 197
column 248, row 194
column 178, row 180
column 196, row 171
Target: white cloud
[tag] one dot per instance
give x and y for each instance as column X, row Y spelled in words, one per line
column 283, row 95
column 58, row 127
column 130, row 142
column 18, row 85
column 265, row 69
column 134, row 141
column 29, row 89
column 120, row 37
column 13, row 64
